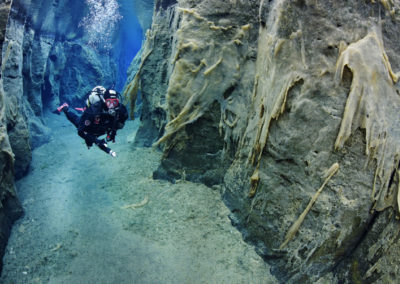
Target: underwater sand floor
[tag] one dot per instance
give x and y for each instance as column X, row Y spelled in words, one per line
column 77, row 229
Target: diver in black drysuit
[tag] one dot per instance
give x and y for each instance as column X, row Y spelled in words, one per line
column 96, row 121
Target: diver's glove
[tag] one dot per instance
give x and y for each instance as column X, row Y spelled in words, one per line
column 103, row 146
column 111, row 136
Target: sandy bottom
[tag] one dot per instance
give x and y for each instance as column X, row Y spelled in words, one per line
column 77, row 227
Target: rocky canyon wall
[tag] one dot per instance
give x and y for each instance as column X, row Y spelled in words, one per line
column 10, row 208
column 290, row 107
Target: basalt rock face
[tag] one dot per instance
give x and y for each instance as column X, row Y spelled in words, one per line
column 4, row 11
column 187, row 63
column 10, row 209
column 152, row 75
column 291, row 107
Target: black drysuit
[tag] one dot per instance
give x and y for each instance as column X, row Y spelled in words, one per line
column 96, row 121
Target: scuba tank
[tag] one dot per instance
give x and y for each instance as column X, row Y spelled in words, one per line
column 95, row 95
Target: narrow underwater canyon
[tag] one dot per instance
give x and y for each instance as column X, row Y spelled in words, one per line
column 86, row 220
column 288, row 107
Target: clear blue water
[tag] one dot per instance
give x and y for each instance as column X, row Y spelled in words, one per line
column 130, row 37
column 112, row 27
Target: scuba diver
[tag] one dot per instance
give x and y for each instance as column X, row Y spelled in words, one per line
column 103, row 114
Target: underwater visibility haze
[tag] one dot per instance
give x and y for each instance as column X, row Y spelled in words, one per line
column 209, row 141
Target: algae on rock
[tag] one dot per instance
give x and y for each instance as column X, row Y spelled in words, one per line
column 132, row 88
column 295, row 227
column 248, row 91
column 191, row 92
column 373, row 104
column 211, row 71
column 155, row 69
column 279, row 69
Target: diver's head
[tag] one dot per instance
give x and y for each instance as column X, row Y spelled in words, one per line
column 112, row 101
